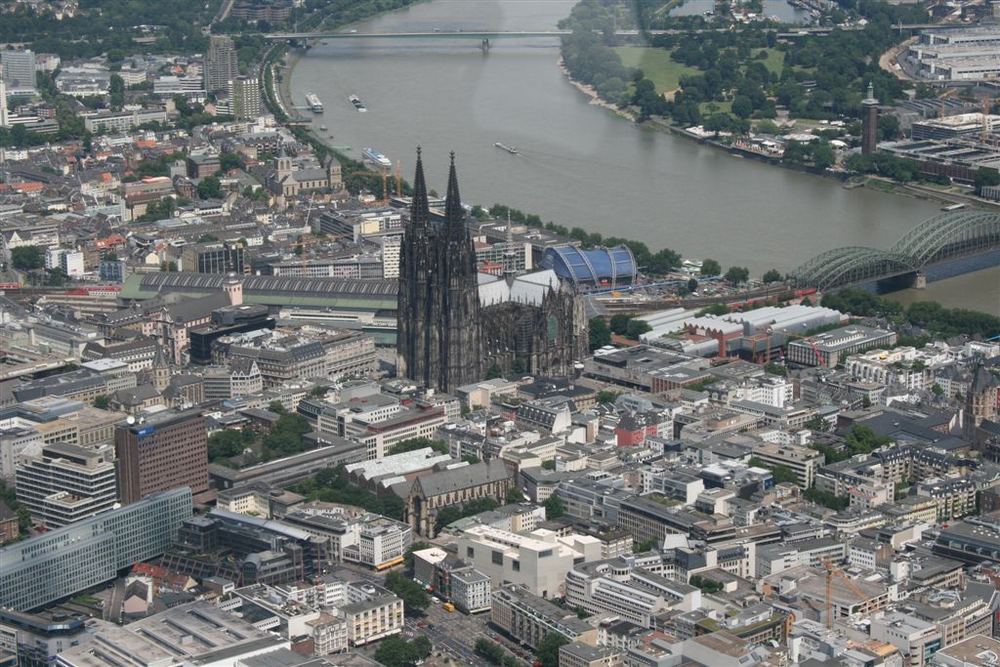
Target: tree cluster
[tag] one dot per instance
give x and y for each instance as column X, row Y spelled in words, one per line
column 554, row 507
column 332, row 485
column 413, row 444
column 494, row 654
column 928, row 315
column 628, row 326
column 27, row 258
column 860, row 440
column 548, row 649
column 452, row 513
column 9, row 498
column 823, row 77
column 730, row 72
column 159, row 210
column 827, row 499
column 415, row 598
column 111, row 26
column 710, row 267
column 589, row 58
column 228, row 443
column 285, row 437
column 816, row 154
column 780, row 473
column 899, row 169
column 395, row 651
column 600, row 333
column 737, row 275
column 706, row 585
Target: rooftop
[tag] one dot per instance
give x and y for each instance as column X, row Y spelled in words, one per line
column 976, row 650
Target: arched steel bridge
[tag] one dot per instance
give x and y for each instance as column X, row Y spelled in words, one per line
column 940, row 238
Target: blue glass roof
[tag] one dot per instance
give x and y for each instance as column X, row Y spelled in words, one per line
column 597, row 265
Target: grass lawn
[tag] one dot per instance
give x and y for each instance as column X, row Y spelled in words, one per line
column 775, row 60
column 720, row 107
column 882, row 186
column 656, row 65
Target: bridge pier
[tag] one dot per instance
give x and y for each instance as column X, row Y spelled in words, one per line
column 920, row 280
column 895, row 283
column 485, row 46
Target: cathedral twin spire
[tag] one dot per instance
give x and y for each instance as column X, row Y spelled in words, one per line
column 420, row 208
column 439, row 339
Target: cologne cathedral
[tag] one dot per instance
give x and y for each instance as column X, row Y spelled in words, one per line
column 456, row 324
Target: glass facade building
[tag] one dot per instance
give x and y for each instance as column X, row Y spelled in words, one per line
column 596, row 266
column 66, row 561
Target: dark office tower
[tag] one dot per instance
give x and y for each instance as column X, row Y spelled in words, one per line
column 439, row 341
column 162, row 452
column 221, row 63
column 869, row 122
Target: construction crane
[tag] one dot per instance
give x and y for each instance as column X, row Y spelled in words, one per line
column 986, row 129
column 832, row 570
column 811, row 343
column 819, row 357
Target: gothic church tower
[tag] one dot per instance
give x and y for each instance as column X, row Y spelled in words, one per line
column 440, row 329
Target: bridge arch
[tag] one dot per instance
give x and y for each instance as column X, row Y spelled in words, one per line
column 854, row 264
column 950, row 235
column 939, row 238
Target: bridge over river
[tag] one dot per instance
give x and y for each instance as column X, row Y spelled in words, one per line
column 943, row 239
column 496, row 34
column 480, row 34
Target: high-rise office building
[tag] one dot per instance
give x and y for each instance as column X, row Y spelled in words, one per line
column 18, row 71
column 221, row 63
column 244, row 97
column 162, row 452
column 65, row 483
column 63, row 562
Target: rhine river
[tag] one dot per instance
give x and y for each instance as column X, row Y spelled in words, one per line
column 580, row 165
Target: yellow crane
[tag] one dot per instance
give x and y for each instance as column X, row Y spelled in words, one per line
column 832, row 570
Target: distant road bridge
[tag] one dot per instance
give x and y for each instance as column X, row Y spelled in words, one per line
column 496, row 34
column 942, row 238
column 445, row 34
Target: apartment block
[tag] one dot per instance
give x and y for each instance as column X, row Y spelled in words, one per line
column 802, row 461
column 953, row 497
column 529, row 618
column 378, row 615
column 64, row 483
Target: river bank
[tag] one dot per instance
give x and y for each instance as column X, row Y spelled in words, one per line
column 291, row 59
column 595, row 99
column 877, row 184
